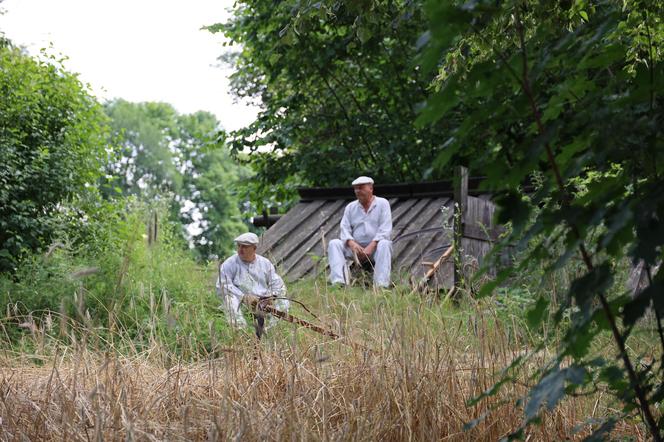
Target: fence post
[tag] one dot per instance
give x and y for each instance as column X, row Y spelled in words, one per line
column 152, row 228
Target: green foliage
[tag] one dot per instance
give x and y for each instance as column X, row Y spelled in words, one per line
column 117, row 283
column 145, row 131
column 570, row 91
column 181, row 159
column 339, row 93
column 53, row 143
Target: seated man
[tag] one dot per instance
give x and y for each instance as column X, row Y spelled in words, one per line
column 366, row 228
column 247, row 273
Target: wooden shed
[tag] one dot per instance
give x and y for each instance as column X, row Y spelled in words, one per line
column 422, row 218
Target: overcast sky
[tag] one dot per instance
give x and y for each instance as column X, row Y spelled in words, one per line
column 139, row 50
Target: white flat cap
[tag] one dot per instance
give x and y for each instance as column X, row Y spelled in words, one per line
column 247, row 238
column 362, row 180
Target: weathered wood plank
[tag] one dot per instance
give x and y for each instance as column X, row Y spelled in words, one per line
column 473, row 253
column 305, row 230
column 306, row 265
column 297, row 215
column 405, row 252
column 399, row 209
column 480, row 233
column 479, row 212
column 404, row 221
column 415, row 255
column 312, row 243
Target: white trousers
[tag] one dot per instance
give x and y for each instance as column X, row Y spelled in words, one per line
column 337, row 252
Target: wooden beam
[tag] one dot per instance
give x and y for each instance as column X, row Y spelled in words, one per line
column 434, row 266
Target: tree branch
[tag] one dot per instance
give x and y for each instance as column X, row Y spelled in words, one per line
column 347, row 116
column 640, row 394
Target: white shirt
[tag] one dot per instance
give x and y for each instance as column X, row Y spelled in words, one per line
column 259, row 278
column 373, row 225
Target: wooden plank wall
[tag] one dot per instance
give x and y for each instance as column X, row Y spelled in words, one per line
column 476, row 233
column 479, row 233
column 297, row 242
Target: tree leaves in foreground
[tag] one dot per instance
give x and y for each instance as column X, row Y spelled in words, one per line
column 53, row 143
column 571, row 92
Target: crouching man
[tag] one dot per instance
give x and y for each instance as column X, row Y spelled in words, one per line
column 366, row 228
column 247, row 274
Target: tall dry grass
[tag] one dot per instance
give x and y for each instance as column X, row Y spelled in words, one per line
column 422, row 363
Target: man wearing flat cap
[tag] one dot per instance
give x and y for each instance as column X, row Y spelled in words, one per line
column 366, row 229
column 247, row 273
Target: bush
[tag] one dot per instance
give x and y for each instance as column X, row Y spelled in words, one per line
column 109, row 278
column 53, row 141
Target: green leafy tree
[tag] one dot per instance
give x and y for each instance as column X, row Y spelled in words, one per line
column 570, row 91
column 183, row 159
column 53, row 144
column 145, row 131
column 339, row 93
column 212, row 179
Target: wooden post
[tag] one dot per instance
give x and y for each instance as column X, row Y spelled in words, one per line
column 152, row 228
column 460, row 207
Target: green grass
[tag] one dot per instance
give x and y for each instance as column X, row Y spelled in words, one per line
column 146, row 328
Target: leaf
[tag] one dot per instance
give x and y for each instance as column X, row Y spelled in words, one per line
column 448, row 150
column 536, row 314
column 512, row 208
column 448, row 23
column 490, row 286
column 600, row 433
column 455, row 20
column 548, row 391
column 606, row 56
column 579, row 337
column 439, row 103
column 636, row 308
column 615, row 377
column 363, row 34
column 551, row 389
column 585, row 288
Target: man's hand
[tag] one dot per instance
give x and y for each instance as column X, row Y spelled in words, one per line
column 354, row 246
column 363, row 253
column 250, row 300
column 370, row 249
column 357, row 249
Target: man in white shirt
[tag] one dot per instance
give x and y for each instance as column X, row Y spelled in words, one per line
column 247, row 273
column 366, row 229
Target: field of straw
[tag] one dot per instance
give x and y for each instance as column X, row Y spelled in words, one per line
column 405, row 371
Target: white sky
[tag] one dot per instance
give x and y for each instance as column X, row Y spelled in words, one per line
column 139, row 50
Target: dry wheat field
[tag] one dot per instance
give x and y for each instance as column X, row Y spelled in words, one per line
column 405, row 370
